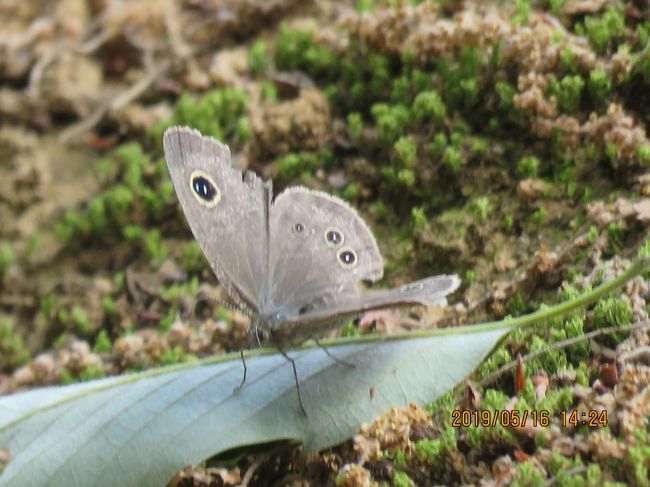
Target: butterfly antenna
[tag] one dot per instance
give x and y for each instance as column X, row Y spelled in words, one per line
column 295, row 378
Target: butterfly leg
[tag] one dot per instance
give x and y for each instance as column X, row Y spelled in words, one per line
column 334, row 357
column 295, row 377
column 243, row 379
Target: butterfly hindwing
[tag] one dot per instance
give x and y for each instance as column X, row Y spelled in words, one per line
column 320, row 250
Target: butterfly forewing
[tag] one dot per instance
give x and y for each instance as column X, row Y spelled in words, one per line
column 227, row 212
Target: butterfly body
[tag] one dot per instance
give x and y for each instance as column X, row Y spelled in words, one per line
column 294, row 262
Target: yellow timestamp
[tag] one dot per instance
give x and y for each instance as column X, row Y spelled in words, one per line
column 463, row 418
column 591, row 418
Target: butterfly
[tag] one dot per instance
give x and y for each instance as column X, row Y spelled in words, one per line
column 293, row 262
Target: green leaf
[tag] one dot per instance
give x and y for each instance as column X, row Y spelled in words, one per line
column 141, row 429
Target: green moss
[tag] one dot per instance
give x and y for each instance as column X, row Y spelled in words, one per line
column 80, row 320
column 355, row 124
column 643, row 253
column 481, row 208
column 615, row 236
column 154, row 248
column 494, row 400
column 103, row 343
column 258, row 58
column 97, row 218
column 555, row 6
column 301, row 165
column 643, row 154
column 438, row 145
column 495, row 360
column 612, row 312
column 522, row 13
column 168, row 320
column 592, row 234
column 192, row 258
column 105, row 168
column 432, row 450
column 460, row 77
column 72, row 224
column 528, row 166
column 67, row 377
column 527, row 475
column 92, row 372
column 290, row 166
column 611, row 152
column 401, row 479
column 411, row 83
column 470, row 277
column 176, row 355
column 555, row 400
column 508, row 221
column 603, row 30
column 574, row 327
column 362, row 6
column 60, row 341
column 350, row 330
column 269, row 91
column 429, row 107
column 351, row 191
column 398, row 457
column 6, row 257
column 180, row 290
column 641, row 60
column 13, row 351
column 406, row 177
column 568, row 92
column 380, row 210
column 506, row 95
column 47, row 305
column 551, row 360
column 34, row 241
column 419, row 218
column 558, row 465
column 599, row 87
column 296, row 50
column 407, row 150
column 132, row 160
column 220, row 113
column 516, row 305
column 568, row 60
column 452, row 159
column 539, row 216
column 457, row 137
column 638, row 458
column 390, row 120
column 133, row 234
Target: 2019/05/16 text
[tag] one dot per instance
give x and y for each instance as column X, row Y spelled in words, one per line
column 514, row 419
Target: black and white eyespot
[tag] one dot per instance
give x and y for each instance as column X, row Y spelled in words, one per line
column 204, row 189
column 334, row 237
column 347, row 258
column 298, row 227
